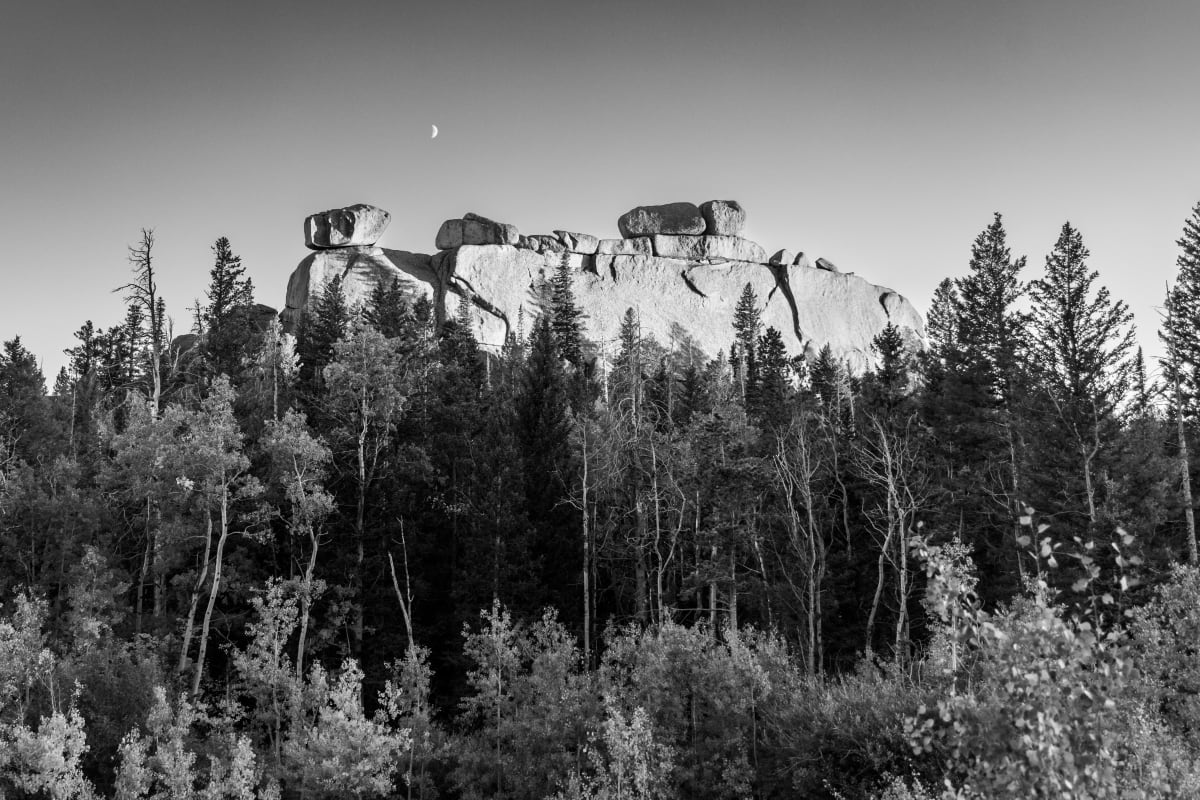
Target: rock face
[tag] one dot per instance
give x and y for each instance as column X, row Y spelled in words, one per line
column 361, row 270
column 679, row 302
column 678, row 219
column 345, row 227
column 682, row 279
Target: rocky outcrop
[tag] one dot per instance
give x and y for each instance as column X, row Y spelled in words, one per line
column 360, row 269
column 683, row 285
column 345, row 227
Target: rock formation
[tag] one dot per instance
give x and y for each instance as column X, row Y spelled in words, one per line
column 682, row 267
column 345, row 227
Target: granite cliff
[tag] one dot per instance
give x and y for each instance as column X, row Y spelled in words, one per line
column 682, row 267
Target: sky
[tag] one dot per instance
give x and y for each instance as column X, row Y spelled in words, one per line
column 880, row 134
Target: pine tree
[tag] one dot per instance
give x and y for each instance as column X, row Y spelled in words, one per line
column 773, row 384
column 323, row 325
column 225, row 320
column 889, row 384
column 543, row 415
column 228, row 289
column 941, row 324
column 1080, row 351
column 1180, row 332
column 988, row 328
column 388, row 309
column 747, row 326
column 566, row 319
column 1180, row 335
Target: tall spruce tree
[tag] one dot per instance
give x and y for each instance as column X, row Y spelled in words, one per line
column 747, row 327
column 1180, row 335
column 323, row 324
column 1080, row 352
column 225, row 319
column 228, row 287
column 566, row 316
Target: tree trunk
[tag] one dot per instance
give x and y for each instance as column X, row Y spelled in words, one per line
column 216, row 587
column 306, row 602
column 189, row 625
column 587, row 560
column 1185, row 476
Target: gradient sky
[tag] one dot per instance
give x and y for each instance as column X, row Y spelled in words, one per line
column 881, row 135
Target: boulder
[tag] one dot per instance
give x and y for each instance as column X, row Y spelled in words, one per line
column 826, row 265
column 474, row 229
column 351, row 226
column 671, row 219
column 782, row 258
column 545, row 243
column 578, row 242
column 801, row 260
column 723, row 217
column 709, row 248
column 625, row 247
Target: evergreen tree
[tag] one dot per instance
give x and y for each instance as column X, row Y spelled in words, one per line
column 323, row 325
column 543, row 415
column 773, row 384
column 988, row 328
column 1180, row 331
column 388, row 309
column 1081, row 346
column 225, row 320
column 566, row 319
column 24, row 416
column 228, row 289
column 889, row 384
column 747, row 326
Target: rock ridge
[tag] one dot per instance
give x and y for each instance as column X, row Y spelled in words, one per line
column 681, row 266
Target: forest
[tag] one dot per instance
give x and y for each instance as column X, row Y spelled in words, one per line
column 377, row 560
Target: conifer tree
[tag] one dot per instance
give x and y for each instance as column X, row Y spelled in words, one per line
column 1080, row 352
column 1180, row 332
column 747, row 326
column 773, row 384
column 890, row 379
column 229, row 288
column 388, row 309
column 322, row 325
column 225, row 320
column 1180, row 335
column 543, row 415
column 566, row 319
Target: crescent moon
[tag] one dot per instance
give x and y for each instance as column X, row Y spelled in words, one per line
column 434, row 136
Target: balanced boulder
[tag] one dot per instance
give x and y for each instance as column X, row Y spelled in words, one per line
column 352, row 226
column 672, row 219
column 474, row 229
column 723, row 217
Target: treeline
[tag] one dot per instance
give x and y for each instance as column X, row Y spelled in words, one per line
column 378, row 559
